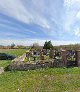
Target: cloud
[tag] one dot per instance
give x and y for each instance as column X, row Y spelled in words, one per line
column 21, row 13
column 44, row 19
column 77, row 31
column 15, row 9
column 29, row 42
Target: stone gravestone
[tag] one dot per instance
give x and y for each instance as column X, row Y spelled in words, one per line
column 64, row 57
column 34, row 55
column 44, row 52
column 51, row 54
column 41, row 56
column 78, row 57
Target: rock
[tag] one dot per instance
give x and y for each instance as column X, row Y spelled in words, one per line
column 1, row 70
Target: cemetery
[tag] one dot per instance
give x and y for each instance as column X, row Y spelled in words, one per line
column 42, row 78
column 34, row 59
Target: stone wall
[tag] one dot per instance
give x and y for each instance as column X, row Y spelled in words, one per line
column 20, row 59
column 26, row 66
column 18, row 64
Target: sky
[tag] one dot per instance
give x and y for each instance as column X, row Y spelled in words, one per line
column 25, row 22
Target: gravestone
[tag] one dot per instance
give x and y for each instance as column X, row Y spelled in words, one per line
column 28, row 55
column 51, row 54
column 64, row 57
column 41, row 56
column 34, row 57
column 44, row 52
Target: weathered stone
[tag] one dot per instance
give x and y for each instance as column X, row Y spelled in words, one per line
column 51, row 54
column 41, row 56
column 64, row 57
column 1, row 70
column 78, row 57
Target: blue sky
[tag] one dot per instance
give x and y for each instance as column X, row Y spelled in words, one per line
column 28, row 21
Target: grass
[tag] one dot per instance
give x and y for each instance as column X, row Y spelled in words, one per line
column 41, row 80
column 16, row 52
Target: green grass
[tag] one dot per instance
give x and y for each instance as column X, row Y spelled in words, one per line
column 41, row 80
column 4, row 63
column 16, row 52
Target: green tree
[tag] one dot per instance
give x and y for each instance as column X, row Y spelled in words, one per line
column 12, row 45
column 48, row 45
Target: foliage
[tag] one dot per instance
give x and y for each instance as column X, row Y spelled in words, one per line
column 48, row 45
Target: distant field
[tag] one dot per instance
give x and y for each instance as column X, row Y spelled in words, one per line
column 41, row 80
column 16, row 52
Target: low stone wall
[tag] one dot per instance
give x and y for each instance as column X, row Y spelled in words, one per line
column 31, row 66
column 20, row 59
column 19, row 64
column 25, row 66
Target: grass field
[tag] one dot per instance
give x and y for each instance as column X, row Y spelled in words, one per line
column 16, row 52
column 40, row 80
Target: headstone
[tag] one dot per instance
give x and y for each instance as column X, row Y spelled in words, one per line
column 64, row 57
column 44, row 52
column 34, row 57
column 41, row 56
column 28, row 56
column 35, row 53
column 51, row 54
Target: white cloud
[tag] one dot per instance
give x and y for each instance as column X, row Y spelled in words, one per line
column 29, row 42
column 15, row 9
column 78, row 15
column 72, row 14
column 54, row 16
column 77, row 31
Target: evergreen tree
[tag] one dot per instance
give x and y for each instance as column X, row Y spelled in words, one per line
column 48, row 45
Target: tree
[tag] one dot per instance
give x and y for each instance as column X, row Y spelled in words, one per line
column 35, row 46
column 48, row 45
column 12, row 45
